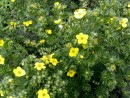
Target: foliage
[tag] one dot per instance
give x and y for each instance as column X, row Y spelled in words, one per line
column 64, row 48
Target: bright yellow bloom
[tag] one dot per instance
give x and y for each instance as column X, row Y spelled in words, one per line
column 71, row 73
column 39, row 66
column 42, row 41
column 1, row 42
column 51, row 55
column 27, row 23
column 12, row 0
column 73, row 52
column 2, row 60
column 82, row 38
column 80, row 13
column 19, row 72
column 58, row 21
column 57, row 5
column 128, row 4
column 123, row 22
column 45, row 58
column 13, row 24
column 43, row 94
column 30, row 21
column 53, row 61
column 1, row 93
column 48, row 31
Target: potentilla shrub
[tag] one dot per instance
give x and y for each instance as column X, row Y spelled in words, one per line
column 64, row 48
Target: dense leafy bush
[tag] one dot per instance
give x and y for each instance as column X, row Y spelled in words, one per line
column 64, row 48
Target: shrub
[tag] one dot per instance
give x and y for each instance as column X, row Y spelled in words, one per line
column 64, row 49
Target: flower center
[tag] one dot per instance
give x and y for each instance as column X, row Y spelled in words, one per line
column 19, row 72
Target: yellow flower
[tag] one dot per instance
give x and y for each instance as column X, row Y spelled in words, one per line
column 123, row 22
column 1, row 93
column 68, row 45
column 43, row 93
column 51, row 55
column 44, row 58
column 113, row 67
column 27, row 23
column 81, row 56
column 30, row 21
column 48, row 31
column 80, row 13
column 12, row 0
column 71, row 73
column 1, row 42
column 19, row 72
column 39, row 66
column 73, row 52
column 58, row 21
column 48, row 58
column 57, row 5
column 2, row 60
column 53, row 61
column 42, row 41
column 128, row 4
column 82, row 38
column 13, row 24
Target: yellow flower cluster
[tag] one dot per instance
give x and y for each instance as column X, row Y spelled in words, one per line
column 71, row 73
column 80, row 13
column 27, row 23
column 123, row 22
column 50, row 59
column 43, row 93
column 18, row 72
